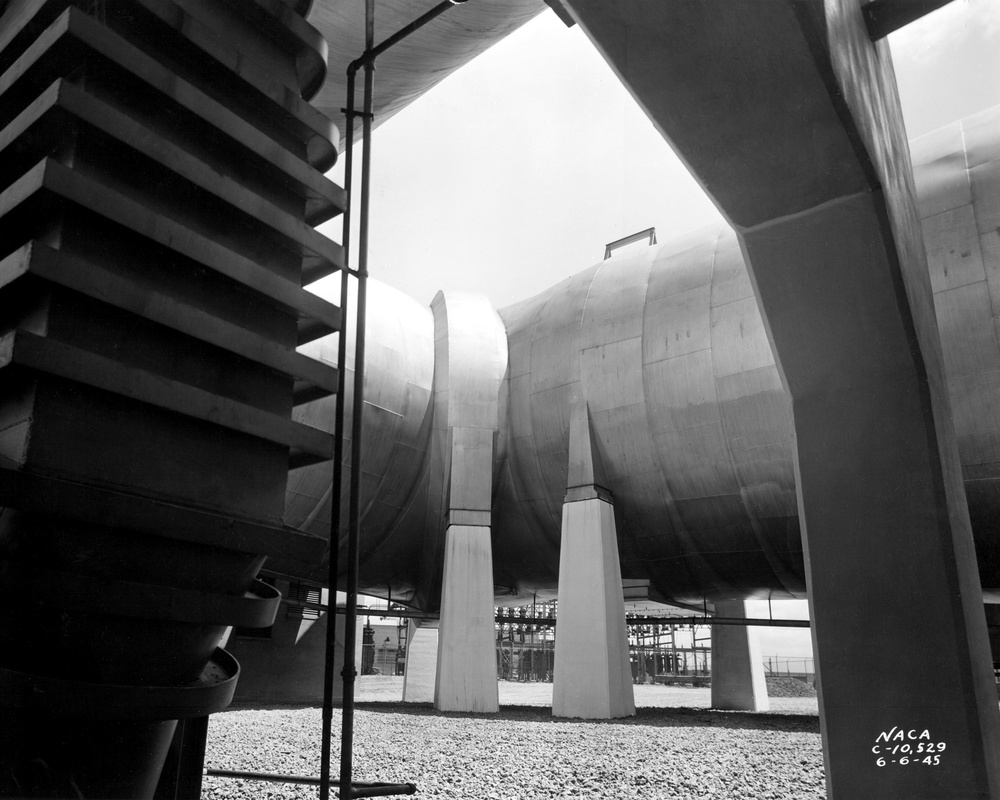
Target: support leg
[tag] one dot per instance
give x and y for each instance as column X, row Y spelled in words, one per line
column 592, row 675
column 467, row 676
column 737, row 670
column 822, row 200
column 421, row 663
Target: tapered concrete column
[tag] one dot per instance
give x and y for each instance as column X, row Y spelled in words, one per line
column 592, row 679
column 737, row 670
column 467, row 673
column 420, row 672
column 470, row 358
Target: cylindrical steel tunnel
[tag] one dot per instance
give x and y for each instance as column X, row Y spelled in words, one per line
column 667, row 347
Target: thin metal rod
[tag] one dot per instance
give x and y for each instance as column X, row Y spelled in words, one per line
column 354, row 532
column 361, row 789
column 743, row 621
column 371, row 53
column 383, row 789
column 336, row 491
column 633, row 622
column 354, row 525
column 264, row 776
column 639, row 621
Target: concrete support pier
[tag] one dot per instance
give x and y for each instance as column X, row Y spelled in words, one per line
column 467, row 673
column 470, row 358
column 593, row 679
column 737, row 670
column 787, row 114
column 420, row 672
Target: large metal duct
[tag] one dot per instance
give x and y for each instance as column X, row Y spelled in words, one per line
column 667, row 346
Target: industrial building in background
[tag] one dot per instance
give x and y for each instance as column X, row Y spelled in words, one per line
column 800, row 403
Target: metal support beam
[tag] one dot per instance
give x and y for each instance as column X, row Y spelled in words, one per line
column 882, row 17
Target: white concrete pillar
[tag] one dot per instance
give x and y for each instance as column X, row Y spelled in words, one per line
column 420, row 671
column 738, row 682
column 466, row 674
column 593, row 679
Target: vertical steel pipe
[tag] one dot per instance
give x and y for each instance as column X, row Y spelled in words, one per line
column 349, row 674
column 338, row 464
column 354, row 532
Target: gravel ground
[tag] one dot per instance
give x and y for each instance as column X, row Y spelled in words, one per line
column 673, row 748
column 789, row 687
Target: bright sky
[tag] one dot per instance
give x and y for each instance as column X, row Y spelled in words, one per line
column 514, row 172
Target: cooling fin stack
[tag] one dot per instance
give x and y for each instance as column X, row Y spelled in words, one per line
column 160, row 174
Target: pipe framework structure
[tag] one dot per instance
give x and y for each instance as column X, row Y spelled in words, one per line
column 160, row 174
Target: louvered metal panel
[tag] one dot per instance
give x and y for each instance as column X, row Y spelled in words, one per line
column 159, row 174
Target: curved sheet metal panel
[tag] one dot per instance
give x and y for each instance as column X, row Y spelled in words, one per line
column 668, row 348
column 669, row 351
column 419, row 61
column 397, row 417
column 957, row 174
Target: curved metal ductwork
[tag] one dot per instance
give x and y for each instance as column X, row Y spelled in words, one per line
column 667, row 347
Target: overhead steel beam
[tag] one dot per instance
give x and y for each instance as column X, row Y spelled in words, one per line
column 882, row 17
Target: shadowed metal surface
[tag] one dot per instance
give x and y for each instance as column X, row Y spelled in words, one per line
column 667, row 346
column 398, row 404
column 957, row 174
column 420, row 61
column 692, row 425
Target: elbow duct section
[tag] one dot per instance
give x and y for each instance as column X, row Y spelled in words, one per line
column 666, row 346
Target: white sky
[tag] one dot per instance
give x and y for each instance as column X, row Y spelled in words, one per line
column 514, row 172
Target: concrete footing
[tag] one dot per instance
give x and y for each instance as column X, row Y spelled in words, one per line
column 738, row 682
column 421, row 662
column 466, row 670
column 592, row 679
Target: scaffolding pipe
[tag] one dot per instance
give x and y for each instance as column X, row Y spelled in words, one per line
column 370, row 54
column 550, row 622
column 363, row 789
column 349, row 673
column 354, row 531
column 674, row 621
column 333, row 563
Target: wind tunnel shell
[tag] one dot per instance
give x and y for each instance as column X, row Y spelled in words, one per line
column 399, row 371
column 957, row 176
column 668, row 348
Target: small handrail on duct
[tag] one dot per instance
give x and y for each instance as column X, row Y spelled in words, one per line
column 649, row 233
